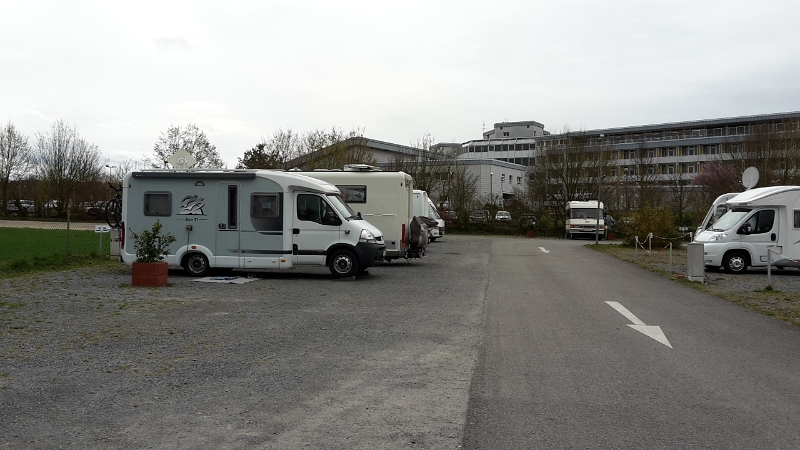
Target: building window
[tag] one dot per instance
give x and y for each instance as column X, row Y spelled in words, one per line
column 670, row 152
column 519, row 180
column 505, row 133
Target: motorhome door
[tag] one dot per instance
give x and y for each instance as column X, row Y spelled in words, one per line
column 226, row 253
column 763, row 233
column 314, row 229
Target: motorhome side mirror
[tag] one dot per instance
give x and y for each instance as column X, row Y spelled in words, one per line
column 745, row 229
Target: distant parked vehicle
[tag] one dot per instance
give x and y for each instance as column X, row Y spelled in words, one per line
column 527, row 220
column 502, row 216
column 479, row 217
column 27, row 206
column 450, row 217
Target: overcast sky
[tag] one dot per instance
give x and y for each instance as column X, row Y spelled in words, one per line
column 123, row 72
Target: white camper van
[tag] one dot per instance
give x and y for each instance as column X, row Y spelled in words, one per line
column 433, row 214
column 757, row 220
column 248, row 219
column 384, row 199
column 424, row 207
column 582, row 219
column 717, row 210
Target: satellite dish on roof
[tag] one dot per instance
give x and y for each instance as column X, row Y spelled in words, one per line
column 749, row 177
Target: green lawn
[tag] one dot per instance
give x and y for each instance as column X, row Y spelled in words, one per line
column 25, row 250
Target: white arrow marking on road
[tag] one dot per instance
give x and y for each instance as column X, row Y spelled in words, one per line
column 544, row 250
column 650, row 330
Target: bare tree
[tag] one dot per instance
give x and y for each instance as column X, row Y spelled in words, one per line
column 192, row 140
column 321, row 149
column 274, row 153
column 461, row 188
column 564, row 170
column 14, row 161
column 65, row 161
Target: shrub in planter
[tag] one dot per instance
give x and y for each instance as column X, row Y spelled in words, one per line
column 151, row 246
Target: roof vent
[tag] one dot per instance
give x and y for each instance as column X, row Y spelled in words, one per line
column 361, row 168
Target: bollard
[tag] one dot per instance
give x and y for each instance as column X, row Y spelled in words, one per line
column 670, row 256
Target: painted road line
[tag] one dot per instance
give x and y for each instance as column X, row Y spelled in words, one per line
column 649, row 330
column 544, row 250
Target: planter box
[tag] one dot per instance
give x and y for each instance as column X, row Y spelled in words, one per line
column 150, row 274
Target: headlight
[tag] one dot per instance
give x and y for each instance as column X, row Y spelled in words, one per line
column 367, row 236
column 717, row 237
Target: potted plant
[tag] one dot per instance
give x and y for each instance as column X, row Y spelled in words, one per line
column 151, row 246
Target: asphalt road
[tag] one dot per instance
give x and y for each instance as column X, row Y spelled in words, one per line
column 487, row 343
column 560, row 368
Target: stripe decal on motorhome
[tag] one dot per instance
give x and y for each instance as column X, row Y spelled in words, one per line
column 266, row 252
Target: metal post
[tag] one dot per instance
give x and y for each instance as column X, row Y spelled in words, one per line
column 67, row 258
column 635, row 246
column 650, row 243
column 670, row 256
column 769, row 267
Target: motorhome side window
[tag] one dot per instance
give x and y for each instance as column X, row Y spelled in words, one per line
column 266, row 206
column 157, row 204
column 311, row 208
column 353, row 194
column 761, row 222
column 797, row 218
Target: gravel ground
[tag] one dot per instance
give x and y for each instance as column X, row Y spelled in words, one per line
column 290, row 360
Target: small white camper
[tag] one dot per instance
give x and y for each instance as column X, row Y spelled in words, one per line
column 757, row 221
column 248, row 219
column 582, row 219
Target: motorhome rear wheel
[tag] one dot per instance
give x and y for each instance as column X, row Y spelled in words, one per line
column 196, row 265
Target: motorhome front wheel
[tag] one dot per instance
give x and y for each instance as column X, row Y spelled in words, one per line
column 735, row 262
column 343, row 263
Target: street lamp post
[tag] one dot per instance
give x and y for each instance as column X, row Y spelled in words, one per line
column 599, row 188
column 491, row 182
column 109, row 171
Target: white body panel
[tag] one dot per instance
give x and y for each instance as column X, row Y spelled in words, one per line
column 758, row 220
column 236, row 218
column 383, row 198
column 582, row 219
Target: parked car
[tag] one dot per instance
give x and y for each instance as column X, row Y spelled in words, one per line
column 479, row 217
column 450, row 217
column 527, row 220
column 27, row 206
column 502, row 216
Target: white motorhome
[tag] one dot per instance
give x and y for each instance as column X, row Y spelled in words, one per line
column 424, row 207
column 757, row 221
column 248, row 219
column 383, row 198
column 433, row 214
column 717, row 210
column 582, row 219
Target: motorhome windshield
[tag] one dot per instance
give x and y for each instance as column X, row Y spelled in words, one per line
column 341, row 206
column 730, row 219
column 583, row 213
column 433, row 213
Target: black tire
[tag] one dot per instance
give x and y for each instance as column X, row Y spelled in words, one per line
column 343, row 263
column 196, row 265
column 735, row 262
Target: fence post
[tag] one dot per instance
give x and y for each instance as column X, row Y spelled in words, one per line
column 769, row 267
column 67, row 258
column 670, row 256
column 636, row 246
column 650, row 243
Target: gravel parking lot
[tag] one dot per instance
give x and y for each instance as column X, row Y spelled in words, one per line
column 292, row 359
